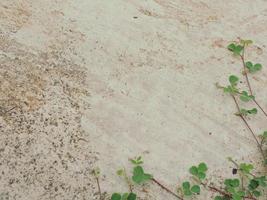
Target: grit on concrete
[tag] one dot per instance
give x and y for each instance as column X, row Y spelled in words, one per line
column 88, row 83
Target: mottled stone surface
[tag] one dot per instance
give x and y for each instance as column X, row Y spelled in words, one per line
column 89, row 83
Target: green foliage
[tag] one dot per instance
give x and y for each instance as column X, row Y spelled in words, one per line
column 244, row 96
column 124, row 196
column 137, row 161
column 246, row 112
column 139, row 176
column 235, row 48
column 253, row 67
column 96, row 172
column 188, row 190
column 246, row 168
column 221, row 198
column 264, row 136
column 231, row 89
column 255, row 184
column 233, row 80
column 199, row 171
column 247, row 186
column 121, row 172
column 232, row 187
column 246, row 42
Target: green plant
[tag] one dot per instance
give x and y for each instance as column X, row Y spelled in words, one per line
column 96, row 174
column 245, row 184
column 124, row 196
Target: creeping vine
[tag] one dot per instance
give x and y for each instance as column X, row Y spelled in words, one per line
column 247, row 184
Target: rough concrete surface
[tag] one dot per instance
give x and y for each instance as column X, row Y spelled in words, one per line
column 90, row 83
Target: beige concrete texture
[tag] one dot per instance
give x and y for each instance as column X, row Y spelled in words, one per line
column 90, row 83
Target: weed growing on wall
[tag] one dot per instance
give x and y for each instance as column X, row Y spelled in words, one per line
column 247, row 184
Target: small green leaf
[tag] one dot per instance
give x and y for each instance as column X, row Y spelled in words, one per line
column 246, row 42
column 116, row 196
column 262, row 181
column 195, row 189
column 257, row 67
column 256, row 193
column 253, row 68
column 201, row 175
column 218, row 198
column 236, row 197
column 202, row 167
column 253, row 111
column 232, row 183
column 235, row 182
column 246, row 112
column 236, row 49
column 231, row 47
column 132, row 196
column 229, row 89
column 187, row 193
column 120, row 172
column 186, row 185
column 96, row 172
column 233, row 80
column 244, row 96
column 246, row 168
column 193, row 170
column 124, row 196
column 137, row 161
column 139, row 176
column 253, row 184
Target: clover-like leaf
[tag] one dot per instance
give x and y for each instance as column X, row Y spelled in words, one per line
column 124, row 196
column 202, row 167
column 139, row 176
column 246, row 112
column 232, row 183
column 233, row 80
column 186, row 185
column 252, row 111
column 218, row 198
column 253, row 184
column 253, row 67
column 199, row 171
column 116, row 196
column 193, row 170
column 131, row 196
column 256, row 193
column 246, row 168
column 244, row 96
column 262, row 181
column 195, row 189
column 235, row 48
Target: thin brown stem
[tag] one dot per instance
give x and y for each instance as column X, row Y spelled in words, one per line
column 128, row 181
column 166, row 189
column 244, row 67
column 99, row 189
column 237, row 166
column 248, row 83
column 222, row 192
column 263, row 111
column 249, row 128
column 9, row 110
